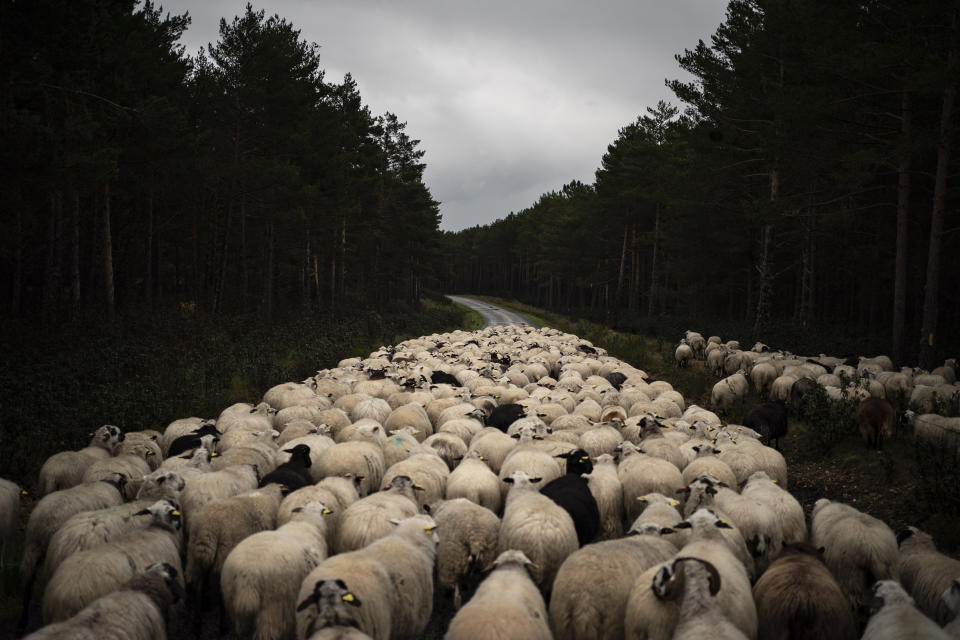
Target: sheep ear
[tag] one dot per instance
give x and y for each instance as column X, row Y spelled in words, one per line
column 666, row 531
column 683, row 525
column 350, row 599
column 516, row 436
column 714, row 580
column 309, row 600
column 142, row 512
column 395, row 521
column 711, row 491
column 508, row 480
column 536, row 479
column 723, row 524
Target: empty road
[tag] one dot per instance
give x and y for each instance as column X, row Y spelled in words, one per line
column 492, row 315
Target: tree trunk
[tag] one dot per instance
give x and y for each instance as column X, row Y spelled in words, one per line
column 931, row 290
column 267, row 301
column 16, row 299
column 51, row 276
column 903, row 216
column 623, row 258
column 75, row 254
column 109, row 299
column 148, row 279
column 651, row 303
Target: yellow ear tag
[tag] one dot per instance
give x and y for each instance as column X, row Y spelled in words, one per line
column 428, row 530
column 347, row 597
column 175, row 512
column 326, row 512
column 674, row 503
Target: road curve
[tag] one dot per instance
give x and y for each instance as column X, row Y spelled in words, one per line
column 492, row 315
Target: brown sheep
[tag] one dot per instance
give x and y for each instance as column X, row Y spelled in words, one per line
column 797, row 597
column 875, row 421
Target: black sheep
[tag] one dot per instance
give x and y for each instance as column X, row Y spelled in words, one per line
column 616, row 379
column 769, row 420
column 505, row 415
column 800, row 388
column 572, row 493
column 442, row 377
column 191, row 441
column 292, row 474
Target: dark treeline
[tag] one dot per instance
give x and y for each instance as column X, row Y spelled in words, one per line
column 136, row 178
column 804, row 194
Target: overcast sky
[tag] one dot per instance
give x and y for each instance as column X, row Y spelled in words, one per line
column 509, row 98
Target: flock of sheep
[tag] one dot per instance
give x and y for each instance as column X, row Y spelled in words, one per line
column 520, row 476
column 933, row 397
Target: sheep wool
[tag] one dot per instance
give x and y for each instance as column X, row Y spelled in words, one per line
column 894, row 616
column 468, row 544
column 925, row 573
column 261, row 575
column 507, row 604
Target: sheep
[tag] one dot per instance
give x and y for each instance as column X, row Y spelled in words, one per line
column 536, row 525
column 708, row 464
column 571, row 492
column 769, row 420
column 683, row 354
column 647, row 615
column 88, row 529
column 260, row 577
column 410, row 415
column 392, row 576
column 528, row 457
column 178, row 428
column 364, row 459
column 658, row 510
column 52, row 511
column 507, row 604
column 428, row 471
column 10, row 494
column 472, row 479
column 217, row 529
column 505, row 415
column 133, row 466
column 300, row 428
column 288, row 394
column 65, row 469
column 935, row 429
column 259, row 452
column 780, row 388
column 729, row 391
column 694, row 582
column 707, row 543
column 762, row 375
column 294, row 473
column 760, row 488
column 409, row 554
column 370, row 583
column 641, row 474
column 205, row 487
column 894, row 616
column 147, row 438
column 925, row 572
column 186, row 442
column 369, row 518
column 607, row 490
column 136, row 611
column 859, row 549
column 951, row 599
column 468, row 544
column 759, row 524
column 87, row 575
column 715, row 361
column 797, row 597
column 875, row 418
column 336, row 492
column 334, row 619
column 592, row 586
column 451, row 448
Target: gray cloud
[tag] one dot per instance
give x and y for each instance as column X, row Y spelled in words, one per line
column 509, row 98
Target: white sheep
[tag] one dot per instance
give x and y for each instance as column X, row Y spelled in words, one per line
column 607, row 490
column 206, row 487
column 760, row 488
column 85, row 576
column 136, row 611
column 780, row 388
column 427, row 470
column 729, row 391
column 695, row 583
column 536, row 525
column 641, row 474
column 708, row 464
column 591, row 589
column 683, row 353
column 468, row 544
column 451, row 448
column 507, row 604
column 361, row 458
column 926, row 573
column 133, row 466
column 65, row 469
column 474, row 480
column 762, row 376
column 262, row 574
column 335, row 618
column 894, row 616
column 858, row 548
column 369, row 518
column 707, row 543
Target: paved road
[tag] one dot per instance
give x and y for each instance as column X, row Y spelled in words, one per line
column 492, row 315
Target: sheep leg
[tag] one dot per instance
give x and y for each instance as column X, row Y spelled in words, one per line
column 25, row 614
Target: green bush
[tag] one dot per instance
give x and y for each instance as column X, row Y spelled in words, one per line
column 148, row 371
column 829, row 421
